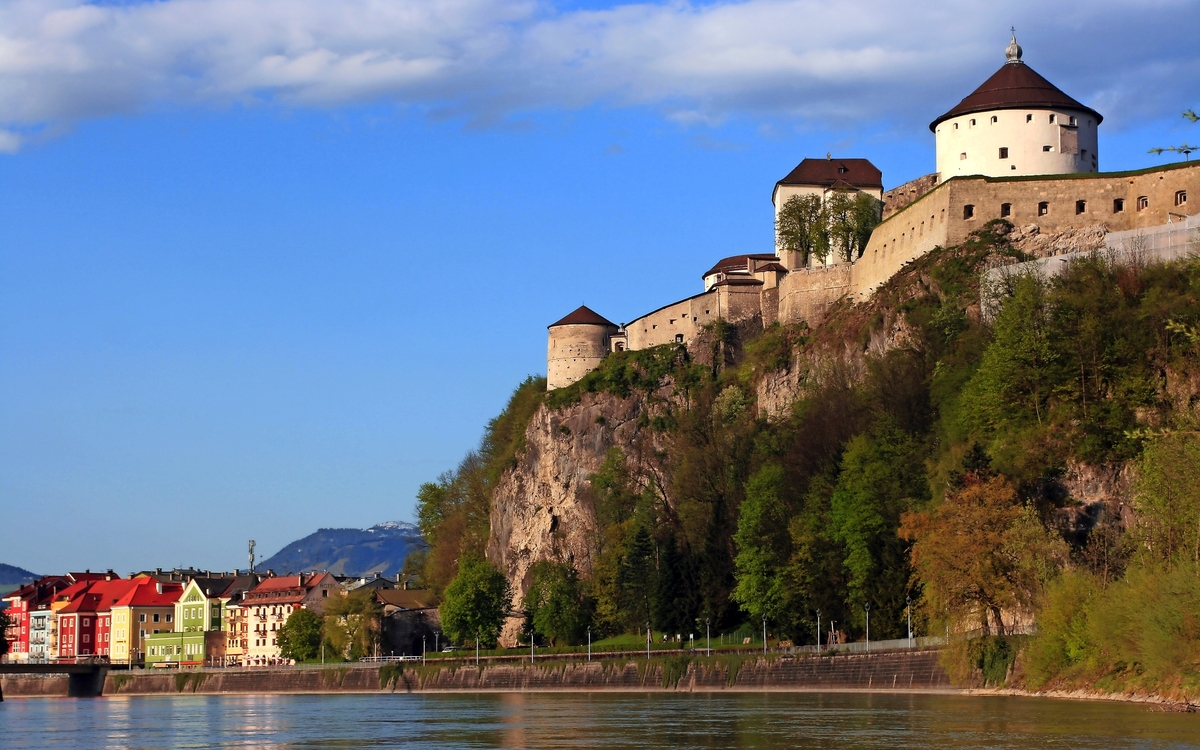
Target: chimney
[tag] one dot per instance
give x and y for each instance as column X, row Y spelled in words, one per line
column 399, row 577
column 828, row 156
column 404, row 585
column 158, row 586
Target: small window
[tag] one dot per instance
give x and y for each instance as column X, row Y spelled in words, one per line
column 1180, row 197
column 1080, row 207
column 1005, row 209
column 87, row 621
column 1028, row 118
column 1043, row 208
column 1143, row 203
column 956, row 126
column 842, row 170
column 962, row 156
column 170, row 617
column 995, row 119
column 679, row 338
column 156, row 617
column 972, row 122
column 1118, row 205
column 1074, row 122
column 325, row 593
column 1047, row 148
column 1052, row 119
column 968, row 211
column 142, row 617
column 1004, row 152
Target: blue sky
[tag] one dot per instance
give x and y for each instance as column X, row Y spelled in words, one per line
column 267, row 266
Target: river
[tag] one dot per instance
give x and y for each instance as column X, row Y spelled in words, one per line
column 589, row 720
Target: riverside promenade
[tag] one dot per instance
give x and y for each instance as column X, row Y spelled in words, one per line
column 891, row 671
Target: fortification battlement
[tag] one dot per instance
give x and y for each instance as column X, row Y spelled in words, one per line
column 1016, row 148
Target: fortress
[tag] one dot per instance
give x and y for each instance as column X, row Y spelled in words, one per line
column 1016, row 148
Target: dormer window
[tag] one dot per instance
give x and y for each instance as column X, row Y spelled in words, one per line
column 842, row 170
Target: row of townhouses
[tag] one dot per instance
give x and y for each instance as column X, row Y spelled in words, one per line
column 180, row 618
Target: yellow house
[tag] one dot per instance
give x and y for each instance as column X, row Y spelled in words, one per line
column 149, row 607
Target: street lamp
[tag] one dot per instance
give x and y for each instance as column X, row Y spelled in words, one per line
column 422, row 650
column 818, row 632
column 867, row 607
column 908, row 610
column 589, row 642
column 764, row 635
column 647, row 640
column 477, row 633
column 708, row 636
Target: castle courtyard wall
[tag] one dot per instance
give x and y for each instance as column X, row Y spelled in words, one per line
column 806, row 293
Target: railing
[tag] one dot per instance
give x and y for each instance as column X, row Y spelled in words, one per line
column 893, row 644
column 386, row 659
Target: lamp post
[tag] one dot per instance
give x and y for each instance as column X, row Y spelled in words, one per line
column 589, row 642
column 422, row 650
column 764, row 635
column 531, row 647
column 867, row 607
column 477, row 648
column 908, row 611
column 708, row 637
column 818, row 632
column 647, row 641
column 436, row 633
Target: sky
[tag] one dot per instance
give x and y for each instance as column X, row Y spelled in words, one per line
column 267, row 266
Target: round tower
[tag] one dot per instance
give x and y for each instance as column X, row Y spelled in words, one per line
column 1016, row 123
column 578, row 343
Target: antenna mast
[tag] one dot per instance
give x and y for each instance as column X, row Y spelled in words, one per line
column 251, row 555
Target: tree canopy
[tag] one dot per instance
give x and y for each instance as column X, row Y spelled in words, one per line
column 300, row 637
column 476, row 603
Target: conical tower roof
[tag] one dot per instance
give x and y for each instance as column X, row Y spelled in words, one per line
column 1015, row 86
column 584, row 316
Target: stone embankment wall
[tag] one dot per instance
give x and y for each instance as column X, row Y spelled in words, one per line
column 910, row 670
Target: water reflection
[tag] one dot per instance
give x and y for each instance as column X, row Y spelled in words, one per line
column 588, row 720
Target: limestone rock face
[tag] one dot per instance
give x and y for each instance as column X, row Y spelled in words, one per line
column 543, row 509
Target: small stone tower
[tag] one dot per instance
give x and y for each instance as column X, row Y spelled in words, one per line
column 578, row 343
column 1016, row 123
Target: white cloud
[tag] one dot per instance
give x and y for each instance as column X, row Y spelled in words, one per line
column 816, row 61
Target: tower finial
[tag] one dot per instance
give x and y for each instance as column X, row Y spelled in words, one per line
column 1013, row 51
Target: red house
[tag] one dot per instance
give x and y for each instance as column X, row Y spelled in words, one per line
column 84, row 624
column 29, row 634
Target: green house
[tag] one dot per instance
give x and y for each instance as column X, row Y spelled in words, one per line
column 199, row 609
column 194, row 649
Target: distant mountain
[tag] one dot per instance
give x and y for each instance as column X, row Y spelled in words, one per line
column 11, row 577
column 349, row 552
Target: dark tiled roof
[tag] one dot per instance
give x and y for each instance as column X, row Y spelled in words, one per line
column 1015, row 86
column 858, row 173
column 584, row 316
column 738, row 281
column 770, row 267
column 736, row 263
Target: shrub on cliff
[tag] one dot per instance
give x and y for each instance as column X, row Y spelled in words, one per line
column 476, row 603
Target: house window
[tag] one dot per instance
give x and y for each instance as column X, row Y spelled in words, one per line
column 1180, row 197
column 156, row 617
column 1043, row 208
column 87, row 638
column 1005, row 209
column 679, row 338
column 1118, row 205
column 169, row 617
column 1047, row 148
column 1143, row 202
column 968, row 211
column 956, row 126
column 962, row 156
column 1073, row 122
column 142, row 617
column 87, row 621
column 325, row 593
column 1004, row 152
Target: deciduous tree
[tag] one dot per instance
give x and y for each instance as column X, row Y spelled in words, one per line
column 300, row 636
column 476, row 602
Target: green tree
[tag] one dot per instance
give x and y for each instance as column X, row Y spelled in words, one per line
column 476, row 603
column 353, row 625
column 1167, row 499
column 555, row 602
column 5, row 624
column 763, row 545
column 801, row 228
column 637, row 576
column 672, row 606
column 882, row 477
column 300, row 636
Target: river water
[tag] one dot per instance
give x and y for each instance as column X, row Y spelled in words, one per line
column 589, row 720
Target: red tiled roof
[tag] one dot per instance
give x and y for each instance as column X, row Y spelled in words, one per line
column 859, row 173
column 146, row 594
column 584, row 316
column 1015, row 86
column 99, row 596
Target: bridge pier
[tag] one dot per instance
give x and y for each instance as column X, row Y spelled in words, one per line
column 86, row 684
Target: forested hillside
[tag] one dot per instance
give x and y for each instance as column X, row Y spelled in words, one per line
column 1044, row 464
